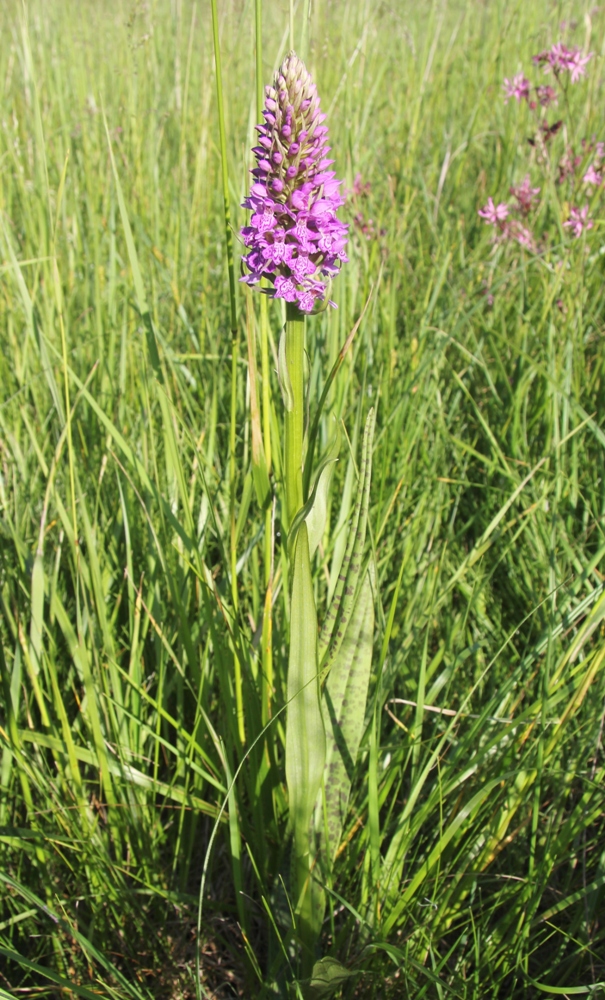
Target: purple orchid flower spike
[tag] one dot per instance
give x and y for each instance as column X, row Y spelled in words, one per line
column 294, row 237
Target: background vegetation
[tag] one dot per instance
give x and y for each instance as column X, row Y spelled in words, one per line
column 473, row 858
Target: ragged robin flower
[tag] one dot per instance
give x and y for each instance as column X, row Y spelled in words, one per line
column 578, row 221
column 294, row 237
column 560, row 59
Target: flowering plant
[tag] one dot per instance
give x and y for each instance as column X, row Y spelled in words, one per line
column 296, row 242
column 510, row 220
column 294, row 237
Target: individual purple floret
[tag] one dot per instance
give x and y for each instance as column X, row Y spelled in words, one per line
column 294, row 237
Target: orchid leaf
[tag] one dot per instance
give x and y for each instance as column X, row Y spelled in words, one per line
column 328, row 976
column 344, row 705
column 343, row 601
column 333, row 373
column 315, row 511
column 305, row 735
column 316, row 518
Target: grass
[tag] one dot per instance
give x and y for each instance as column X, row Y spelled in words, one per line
column 472, row 859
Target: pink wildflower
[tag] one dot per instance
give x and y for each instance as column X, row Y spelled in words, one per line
column 360, row 187
column 560, row 58
column 578, row 68
column 518, row 88
column 578, row 221
column 546, row 95
column 494, row 214
column 513, row 229
column 563, row 60
column 568, row 164
column 489, row 295
column 592, row 176
column 525, row 194
column 366, row 226
column 521, row 234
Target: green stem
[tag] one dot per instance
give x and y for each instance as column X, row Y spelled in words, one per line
column 239, row 698
column 264, row 318
column 267, row 634
column 295, row 341
column 233, row 464
column 266, row 383
column 239, row 695
column 259, row 60
column 304, row 41
column 224, row 169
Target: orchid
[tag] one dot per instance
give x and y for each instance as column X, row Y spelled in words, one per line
column 296, row 242
column 294, row 237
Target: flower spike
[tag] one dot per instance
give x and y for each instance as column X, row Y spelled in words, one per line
column 294, row 237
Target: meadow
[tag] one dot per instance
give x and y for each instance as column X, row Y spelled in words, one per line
column 145, row 577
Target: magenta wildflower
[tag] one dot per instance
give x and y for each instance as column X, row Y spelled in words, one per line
column 489, row 296
column 592, row 176
column 294, row 237
column 360, row 187
column 578, row 221
column 563, row 60
column 525, row 194
column 518, row 88
column 560, row 58
column 494, row 214
column 568, row 164
column 578, row 67
column 367, row 227
column 546, row 95
column 515, row 230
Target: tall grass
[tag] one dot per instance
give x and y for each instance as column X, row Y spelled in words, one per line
column 135, row 560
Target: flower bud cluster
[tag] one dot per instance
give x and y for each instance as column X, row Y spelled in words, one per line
column 294, row 237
